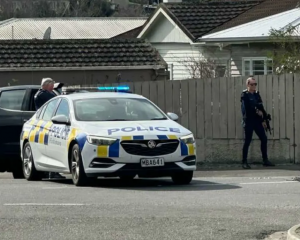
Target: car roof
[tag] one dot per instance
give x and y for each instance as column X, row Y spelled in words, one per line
column 20, row 87
column 77, row 96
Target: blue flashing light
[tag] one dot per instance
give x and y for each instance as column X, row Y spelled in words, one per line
column 117, row 89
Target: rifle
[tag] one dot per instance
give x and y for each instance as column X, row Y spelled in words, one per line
column 266, row 117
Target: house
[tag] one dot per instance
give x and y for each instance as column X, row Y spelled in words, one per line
column 249, row 44
column 68, row 28
column 79, row 61
column 176, row 29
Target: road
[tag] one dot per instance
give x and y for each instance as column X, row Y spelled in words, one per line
column 240, row 205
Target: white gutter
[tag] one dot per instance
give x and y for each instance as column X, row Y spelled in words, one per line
column 240, row 40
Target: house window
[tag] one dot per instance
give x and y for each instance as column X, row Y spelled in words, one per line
column 257, row 66
column 220, row 71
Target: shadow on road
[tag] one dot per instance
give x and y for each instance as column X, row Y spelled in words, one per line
column 153, row 185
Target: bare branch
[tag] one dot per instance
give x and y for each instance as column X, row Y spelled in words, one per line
column 206, row 65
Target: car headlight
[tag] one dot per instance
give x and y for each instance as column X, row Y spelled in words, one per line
column 100, row 140
column 188, row 139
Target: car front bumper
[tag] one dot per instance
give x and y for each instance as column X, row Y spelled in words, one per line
column 105, row 162
column 122, row 169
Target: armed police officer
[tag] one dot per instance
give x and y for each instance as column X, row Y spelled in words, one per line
column 253, row 120
column 44, row 94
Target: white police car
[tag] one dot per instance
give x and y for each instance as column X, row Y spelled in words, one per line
column 110, row 134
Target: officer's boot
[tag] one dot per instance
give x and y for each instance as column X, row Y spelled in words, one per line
column 245, row 165
column 267, row 163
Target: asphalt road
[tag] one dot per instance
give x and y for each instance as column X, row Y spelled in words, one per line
column 240, row 205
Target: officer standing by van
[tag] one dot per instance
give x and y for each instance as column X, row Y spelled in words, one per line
column 253, row 121
column 43, row 95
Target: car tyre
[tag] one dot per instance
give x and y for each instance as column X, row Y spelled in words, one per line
column 78, row 175
column 29, row 170
column 17, row 171
column 183, row 178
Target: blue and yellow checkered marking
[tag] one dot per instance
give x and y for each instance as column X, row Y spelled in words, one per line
column 114, row 149
column 187, row 149
column 39, row 131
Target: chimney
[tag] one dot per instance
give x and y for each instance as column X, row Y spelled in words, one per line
column 172, row 1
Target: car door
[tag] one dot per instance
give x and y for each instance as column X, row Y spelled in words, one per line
column 11, row 123
column 45, row 129
column 28, row 109
column 37, row 138
column 58, row 137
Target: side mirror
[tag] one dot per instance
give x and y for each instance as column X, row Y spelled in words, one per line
column 173, row 116
column 60, row 119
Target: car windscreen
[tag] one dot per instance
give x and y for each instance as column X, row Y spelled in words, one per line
column 116, row 109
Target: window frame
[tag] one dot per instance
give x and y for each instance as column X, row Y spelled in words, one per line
column 22, row 104
column 46, row 105
column 61, row 99
column 251, row 59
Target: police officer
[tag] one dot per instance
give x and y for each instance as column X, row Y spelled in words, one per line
column 253, row 121
column 43, row 95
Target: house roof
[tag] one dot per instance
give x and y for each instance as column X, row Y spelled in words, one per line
column 265, row 9
column 79, row 54
column 197, row 19
column 257, row 29
column 68, row 28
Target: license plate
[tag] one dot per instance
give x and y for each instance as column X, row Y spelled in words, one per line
column 152, row 162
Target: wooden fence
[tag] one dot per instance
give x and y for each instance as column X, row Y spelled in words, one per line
column 211, row 109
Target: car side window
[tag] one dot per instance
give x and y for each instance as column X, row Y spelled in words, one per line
column 41, row 111
column 12, row 99
column 63, row 108
column 49, row 110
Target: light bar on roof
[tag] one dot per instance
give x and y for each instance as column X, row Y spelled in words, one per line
column 118, row 88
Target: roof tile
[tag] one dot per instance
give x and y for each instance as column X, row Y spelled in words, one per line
column 200, row 18
column 77, row 53
column 265, row 9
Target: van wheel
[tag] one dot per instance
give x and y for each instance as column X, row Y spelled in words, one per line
column 183, row 178
column 78, row 174
column 29, row 170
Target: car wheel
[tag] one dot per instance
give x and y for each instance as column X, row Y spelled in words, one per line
column 127, row 178
column 78, row 175
column 29, row 170
column 183, row 178
column 18, row 170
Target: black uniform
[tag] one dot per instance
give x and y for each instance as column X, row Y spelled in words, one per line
column 41, row 97
column 253, row 122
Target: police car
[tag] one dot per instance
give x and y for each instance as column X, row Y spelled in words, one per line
column 108, row 134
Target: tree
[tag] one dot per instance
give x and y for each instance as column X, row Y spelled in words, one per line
column 286, row 49
column 206, row 65
column 42, row 8
column 90, row 8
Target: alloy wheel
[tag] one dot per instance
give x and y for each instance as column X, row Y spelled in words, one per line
column 75, row 165
column 27, row 160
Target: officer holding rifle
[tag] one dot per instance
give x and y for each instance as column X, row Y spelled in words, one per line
column 255, row 119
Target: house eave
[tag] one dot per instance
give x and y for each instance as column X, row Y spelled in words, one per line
column 233, row 40
column 100, row 68
column 240, row 40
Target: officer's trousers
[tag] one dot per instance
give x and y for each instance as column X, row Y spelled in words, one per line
column 249, row 127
